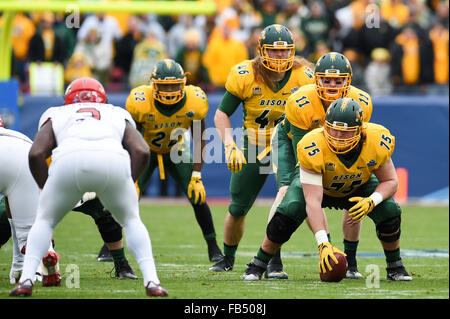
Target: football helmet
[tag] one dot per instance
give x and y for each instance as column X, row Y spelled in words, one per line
column 276, row 37
column 332, row 65
column 85, row 90
column 343, row 115
column 168, row 80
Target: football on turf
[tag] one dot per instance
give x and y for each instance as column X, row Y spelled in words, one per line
column 339, row 270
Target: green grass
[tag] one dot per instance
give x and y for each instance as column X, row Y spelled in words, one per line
column 182, row 262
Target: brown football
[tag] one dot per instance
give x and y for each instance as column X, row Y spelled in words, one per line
column 339, row 270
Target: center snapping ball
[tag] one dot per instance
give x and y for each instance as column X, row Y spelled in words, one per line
column 339, row 270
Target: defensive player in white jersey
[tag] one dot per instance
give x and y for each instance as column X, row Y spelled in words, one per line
column 95, row 147
column 15, row 181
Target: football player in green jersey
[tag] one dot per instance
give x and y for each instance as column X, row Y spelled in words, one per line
column 305, row 110
column 262, row 85
column 163, row 112
column 346, row 164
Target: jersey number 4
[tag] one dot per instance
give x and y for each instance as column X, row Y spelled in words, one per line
column 263, row 121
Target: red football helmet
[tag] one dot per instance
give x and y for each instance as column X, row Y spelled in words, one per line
column 85, row 90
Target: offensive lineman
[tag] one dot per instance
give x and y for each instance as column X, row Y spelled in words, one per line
column 305, row 111
column 347, row 165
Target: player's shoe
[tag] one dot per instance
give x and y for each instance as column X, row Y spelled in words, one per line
column 154, row 290
column 51, row 275
column 214, row 252
column 398, row 274
column 124, row 270
column 22, row 289
column 225, row 264
column 104, row 255
column 353, row 273
column 275, row 269
column 255, row 270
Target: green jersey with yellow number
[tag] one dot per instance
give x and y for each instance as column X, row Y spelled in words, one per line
column 160, row 123
column 339, row 180
column 263, row 108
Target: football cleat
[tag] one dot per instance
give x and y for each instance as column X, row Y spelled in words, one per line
column 225, row 264
column 275, row 269
column 155, row 290
column 398, row 274
column 24, row 289
column 104, row 255
column 51, row 276
column 353, row 273
column 124, row 270
column 214, row 252
column 255, row 270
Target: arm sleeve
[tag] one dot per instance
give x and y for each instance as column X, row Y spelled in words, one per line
column 297, row 135
column 229, row 103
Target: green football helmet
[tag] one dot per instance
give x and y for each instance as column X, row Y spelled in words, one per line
column 168, row 81
column 276, row 37
column 343, row 116
column 332, row 65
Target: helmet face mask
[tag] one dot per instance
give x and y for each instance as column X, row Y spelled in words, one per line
column 343, row 125
column 332, row 66
column 274, row 38
column 168, row 82
column 85, row 90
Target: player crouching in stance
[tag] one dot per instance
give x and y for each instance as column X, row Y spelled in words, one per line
column 336, row 166
column 95, row 147
column 16, row 182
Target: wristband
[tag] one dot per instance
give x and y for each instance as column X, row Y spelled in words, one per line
column 321, row 237
column 196, row 174
column 377, row 198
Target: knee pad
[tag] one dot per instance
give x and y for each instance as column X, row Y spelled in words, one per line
column 387, row 227
column 281, row 228
column 109, row 229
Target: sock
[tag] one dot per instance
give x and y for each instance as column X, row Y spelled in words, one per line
column 204, row 220
column 229, row 251
column 39, row 240
column 118, row 254
column 392, row 256
column 140, row 246
column 263, row 256
column 350, row 248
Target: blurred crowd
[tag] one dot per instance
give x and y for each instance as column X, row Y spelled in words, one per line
column 395, row 46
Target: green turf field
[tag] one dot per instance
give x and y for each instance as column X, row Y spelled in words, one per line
column 182, row 262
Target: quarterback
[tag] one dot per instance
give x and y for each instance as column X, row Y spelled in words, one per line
column 163, row 111
column 305, row 111
column 346, row 165
column 263, row 86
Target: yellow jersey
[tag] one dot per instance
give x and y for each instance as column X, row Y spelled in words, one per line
column 161, row 130
column 304, row 108
column 263, row 108
column 338, row 180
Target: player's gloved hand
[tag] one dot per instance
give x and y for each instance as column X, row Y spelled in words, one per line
column 326, row 251
column 196, row 187
column 360, row 210
column 234, row 157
